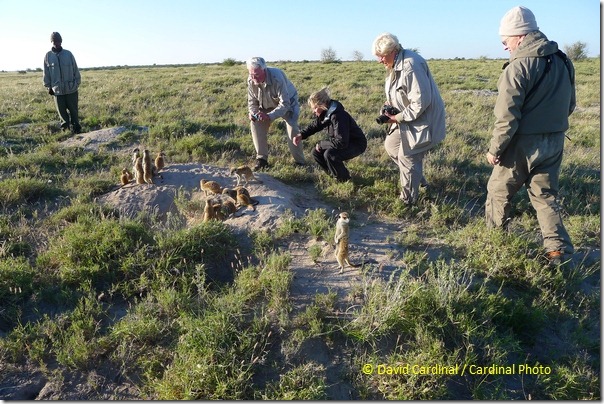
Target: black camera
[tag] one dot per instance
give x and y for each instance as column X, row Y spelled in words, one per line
column 382, row 119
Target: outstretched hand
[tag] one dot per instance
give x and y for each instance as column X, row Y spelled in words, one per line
column 296, row 140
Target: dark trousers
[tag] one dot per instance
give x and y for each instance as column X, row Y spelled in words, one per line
column 67, row 107
column 332, row 160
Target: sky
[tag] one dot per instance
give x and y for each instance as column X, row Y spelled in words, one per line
column 146, row 32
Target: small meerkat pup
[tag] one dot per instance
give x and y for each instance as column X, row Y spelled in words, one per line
column 209, row 211
column 230, row 192
column 243, row 199
column 341, row 239
column 139, row 174
column 160, row 160
column 210, row 186
column 126, row 176
column 245, row 173
column 147, row 167
column 228, row 208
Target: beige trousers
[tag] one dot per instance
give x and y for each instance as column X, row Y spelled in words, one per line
column 411, row 167
column 260, row 129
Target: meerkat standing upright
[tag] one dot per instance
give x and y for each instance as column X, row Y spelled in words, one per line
column 160, row 160
column 245, row 173
column 147, row 167
column 139, row 174
column 341, row 239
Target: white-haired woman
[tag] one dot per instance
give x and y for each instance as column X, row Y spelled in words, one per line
column 419, row 123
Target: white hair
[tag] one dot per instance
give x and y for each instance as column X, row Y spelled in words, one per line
column 256, row 62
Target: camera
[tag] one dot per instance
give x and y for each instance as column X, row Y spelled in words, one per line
column 382, row 119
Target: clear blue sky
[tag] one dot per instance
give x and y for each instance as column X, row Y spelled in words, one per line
column 146, row 32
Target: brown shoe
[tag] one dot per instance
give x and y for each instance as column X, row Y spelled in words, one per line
column 554, row 257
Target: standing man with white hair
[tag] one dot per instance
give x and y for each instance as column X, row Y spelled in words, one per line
column 62, row 79
column 536, row 94
column 270, row 95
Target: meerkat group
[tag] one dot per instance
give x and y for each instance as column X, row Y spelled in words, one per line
column 222, row 203
column 143, row 167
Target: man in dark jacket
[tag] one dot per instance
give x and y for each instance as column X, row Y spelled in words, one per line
column 62, row 79
column 346, row 139
column 536, row 94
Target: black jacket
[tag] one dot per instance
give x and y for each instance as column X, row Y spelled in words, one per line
column 342, row 129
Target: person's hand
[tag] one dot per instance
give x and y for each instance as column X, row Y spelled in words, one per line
column 50, row 91
column 263, row 116
column 318, row 148
column 493, row 160
column 296, row 140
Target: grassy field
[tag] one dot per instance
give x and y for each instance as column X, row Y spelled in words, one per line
column 83, row 290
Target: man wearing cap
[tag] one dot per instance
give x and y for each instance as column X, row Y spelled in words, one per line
column 62, row 79
column 536, row 94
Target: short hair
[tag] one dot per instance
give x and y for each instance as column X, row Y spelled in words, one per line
column 321, row 97
column 256, row 62
column 385, row 43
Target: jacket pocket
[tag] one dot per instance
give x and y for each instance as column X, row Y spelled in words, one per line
column 419, row 136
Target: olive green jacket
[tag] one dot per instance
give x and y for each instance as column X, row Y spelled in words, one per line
column 522, row 108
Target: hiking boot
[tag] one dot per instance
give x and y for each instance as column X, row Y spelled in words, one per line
column 260, row 164
column 554, row 258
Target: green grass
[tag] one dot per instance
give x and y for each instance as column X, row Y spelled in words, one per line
column 201, row 313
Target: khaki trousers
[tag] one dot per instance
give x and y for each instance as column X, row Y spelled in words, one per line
column 260, row 129
column 411, row 167
column 533, row 161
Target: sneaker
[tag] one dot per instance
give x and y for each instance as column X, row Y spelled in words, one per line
column 554, row 257
column 260, row 164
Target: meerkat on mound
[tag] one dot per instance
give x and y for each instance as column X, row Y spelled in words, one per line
column 160, row 160
column 245, row 173
column 244, row 199
column 210, row 186
column 230, row 192
column 341, row 239
column 139, row 174
column 209, row 211
column 147, row 167
column 135, row 154
column 126, row 176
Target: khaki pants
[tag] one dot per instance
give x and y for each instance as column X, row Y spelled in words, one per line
column 411, row 167
column 534, row 161
column 260, row 137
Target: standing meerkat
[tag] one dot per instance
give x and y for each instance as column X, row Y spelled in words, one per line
column 139, row 174
column 209, row 211
column 160, row 160
column 245, row 173
column 341, row 239
column 147, row 167
column 210, row 186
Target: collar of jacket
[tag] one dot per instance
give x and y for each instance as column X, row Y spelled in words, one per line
column 333, row 105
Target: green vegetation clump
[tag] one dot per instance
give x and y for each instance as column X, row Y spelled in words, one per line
column 201, row 312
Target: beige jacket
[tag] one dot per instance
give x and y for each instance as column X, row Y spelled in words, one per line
column 411, row 88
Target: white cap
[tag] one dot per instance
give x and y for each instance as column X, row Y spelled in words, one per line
column 518, row 21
